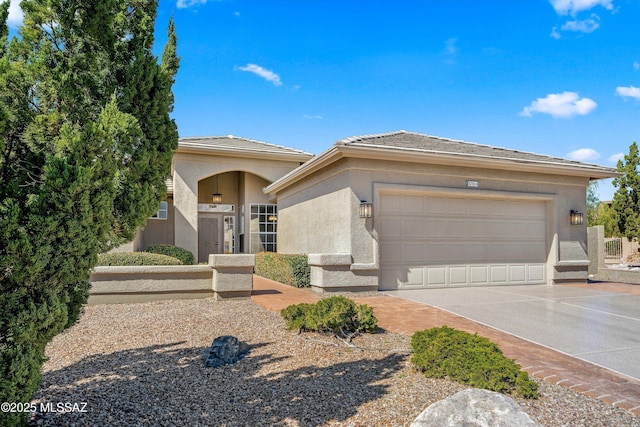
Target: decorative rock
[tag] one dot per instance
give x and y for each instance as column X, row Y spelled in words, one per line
column 475, row 407
column 224, row 350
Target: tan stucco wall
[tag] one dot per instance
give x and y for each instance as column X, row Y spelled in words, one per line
column 319, row 214
column 226, row 184
column 190, row 169
column 158, row 230
column 315, row 216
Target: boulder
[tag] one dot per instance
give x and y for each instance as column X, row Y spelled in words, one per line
column 224, row 350
column 475, row 407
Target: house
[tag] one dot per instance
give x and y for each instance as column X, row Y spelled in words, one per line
column 215, row 203
column 386, row 211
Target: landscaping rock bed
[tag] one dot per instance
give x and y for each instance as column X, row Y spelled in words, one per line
column 141, row 364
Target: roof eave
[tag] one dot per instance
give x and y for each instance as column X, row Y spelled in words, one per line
column 474, row 160
column 220, row 151
column 324, row 159
column 337, row 152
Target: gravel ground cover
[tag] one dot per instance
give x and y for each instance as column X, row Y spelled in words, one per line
column 141, row 365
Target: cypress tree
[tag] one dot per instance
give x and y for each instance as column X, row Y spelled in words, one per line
column 85, row 145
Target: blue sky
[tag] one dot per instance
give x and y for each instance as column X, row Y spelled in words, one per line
column 557, row 77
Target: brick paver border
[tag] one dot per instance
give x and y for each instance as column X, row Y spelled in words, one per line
column 406, row 317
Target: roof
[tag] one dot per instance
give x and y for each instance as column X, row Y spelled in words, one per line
column 236, row 145
column 411, row 141
column 416, row 147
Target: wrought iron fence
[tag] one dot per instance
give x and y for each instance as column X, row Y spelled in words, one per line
column 613, row 249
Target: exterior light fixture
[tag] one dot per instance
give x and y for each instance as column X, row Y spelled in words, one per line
column 216, row 198
column 366, row 209
column 577, row 218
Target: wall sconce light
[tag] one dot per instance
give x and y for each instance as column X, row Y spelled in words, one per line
column 216, row 198
column 577, row 218
column 366, row 209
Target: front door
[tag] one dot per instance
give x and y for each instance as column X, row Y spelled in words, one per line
column 208, row 240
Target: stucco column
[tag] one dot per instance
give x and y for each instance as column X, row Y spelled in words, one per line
column 185, row 204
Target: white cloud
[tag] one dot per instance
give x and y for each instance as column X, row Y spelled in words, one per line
column 628, row 92
column 560, row 105
column 315, row 116
column 572, row 7
column 615, row 157
column 636, row 65
column 584, row 26
column 450, row 46
column 555, row 34
column 183, row 4
column 268, row 75
column 584, row 154
column 15, row 14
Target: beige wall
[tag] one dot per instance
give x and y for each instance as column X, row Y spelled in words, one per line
column 315, row 216
column 226, row 184
column 191, row 169
column 319, row 214
column 158, row 230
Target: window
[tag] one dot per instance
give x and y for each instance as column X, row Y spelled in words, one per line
column 264, row 224
column 229, row 234
column 162, row 211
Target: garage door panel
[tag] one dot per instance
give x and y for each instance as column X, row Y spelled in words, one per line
column 413, row 253
column 498, row 274
column 517, row 274
column 536, row 273
column 479, row 275
column 436, row 276
column 391, row 227
column 454, row 241
column 413, row 228
column 413, row 204
column 458, row 275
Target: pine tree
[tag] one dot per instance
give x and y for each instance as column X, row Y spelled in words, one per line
column 85, row 146
column 626, row 200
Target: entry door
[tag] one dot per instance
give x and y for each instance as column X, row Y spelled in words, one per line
column 208, row 239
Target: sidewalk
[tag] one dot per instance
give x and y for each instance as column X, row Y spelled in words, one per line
column 406, row 317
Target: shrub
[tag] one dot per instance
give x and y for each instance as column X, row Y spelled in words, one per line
column 292, row 270
column 136, row 258
column 336, row 315
column 185, row 256
column 470, row 359
column 300, row 270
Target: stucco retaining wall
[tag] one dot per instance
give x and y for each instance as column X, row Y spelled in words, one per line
column 619, row 276
column 110, row 285
column 226, row 276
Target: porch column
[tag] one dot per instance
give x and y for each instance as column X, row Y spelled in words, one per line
column 185, row 205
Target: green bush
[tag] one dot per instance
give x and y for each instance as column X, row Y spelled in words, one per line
column 185, row 256
column 300, row 270
column 136, row 258
column 470, row 359
column 292, row 270
column 336, row 315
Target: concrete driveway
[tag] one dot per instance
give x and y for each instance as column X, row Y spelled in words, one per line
column 598, row 326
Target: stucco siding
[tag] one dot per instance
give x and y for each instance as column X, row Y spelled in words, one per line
column 159, row 230
column 319, row 213
column 317, row 217
column 192, row 184
column 568, row 192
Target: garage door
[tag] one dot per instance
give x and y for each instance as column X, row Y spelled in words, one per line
column 446, row 241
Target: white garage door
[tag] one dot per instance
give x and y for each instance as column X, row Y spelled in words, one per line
column 443, row 241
